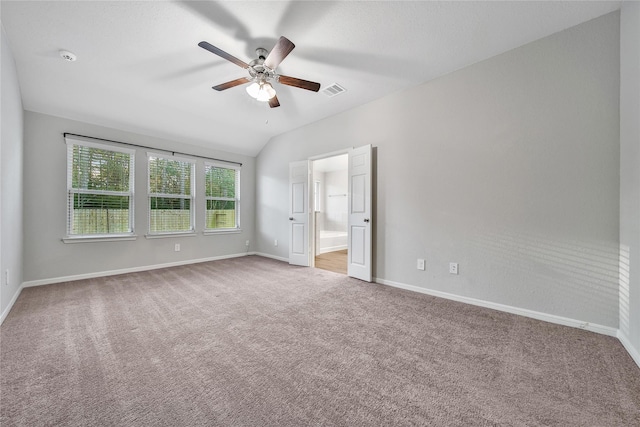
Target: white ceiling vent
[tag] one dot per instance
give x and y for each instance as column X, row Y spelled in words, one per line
column 333, row 90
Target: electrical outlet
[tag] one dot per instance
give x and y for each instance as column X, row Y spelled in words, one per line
column 177, row 247
column 453, row 268
column 246, row 243
column 420, row 264
column 275, row 242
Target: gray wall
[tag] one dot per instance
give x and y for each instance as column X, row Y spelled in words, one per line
column 630, row 174
column 509, row 167
column 47, row 257
column 11, row 182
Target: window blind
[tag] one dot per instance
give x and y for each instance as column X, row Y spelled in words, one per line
column 222, row 192
column 171, row 195
column 99, row 189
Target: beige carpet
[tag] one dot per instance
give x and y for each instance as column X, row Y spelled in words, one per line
column 254, row 342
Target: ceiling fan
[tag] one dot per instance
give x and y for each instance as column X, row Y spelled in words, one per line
column 262, row 72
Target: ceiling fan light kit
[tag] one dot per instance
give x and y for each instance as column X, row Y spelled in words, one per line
column 262, row 91
column 262, row 72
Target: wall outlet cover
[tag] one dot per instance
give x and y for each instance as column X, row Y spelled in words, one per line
column 453, row 268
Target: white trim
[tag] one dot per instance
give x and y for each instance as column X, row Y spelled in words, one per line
column 127, row 270
column 332, row 249
column 85, row 238
column 279, row 258
column 211, row 231
column 633, row 352
column 331, row 154
column 171, row 234
column 221, row 164
column 551, row 318
column 6, row 311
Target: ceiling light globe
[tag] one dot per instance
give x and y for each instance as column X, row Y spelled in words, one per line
column 253, row 90
column 270, row 90
column 266, row 92
column 263, row 96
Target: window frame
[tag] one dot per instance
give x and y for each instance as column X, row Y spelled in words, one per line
column 191, row 197
column 236, row 199
column 73, row 238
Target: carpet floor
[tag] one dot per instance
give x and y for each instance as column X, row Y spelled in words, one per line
column 255, row 342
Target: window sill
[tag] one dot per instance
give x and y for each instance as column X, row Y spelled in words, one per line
column 168, row 235
column 104, row 238
column 223, row 231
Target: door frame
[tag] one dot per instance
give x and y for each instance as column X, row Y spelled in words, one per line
column 312, row 220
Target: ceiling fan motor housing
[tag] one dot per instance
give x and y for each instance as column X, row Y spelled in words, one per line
column 262, row 53
column 257, row 69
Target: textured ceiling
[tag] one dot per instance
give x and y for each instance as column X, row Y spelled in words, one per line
column 139, row 67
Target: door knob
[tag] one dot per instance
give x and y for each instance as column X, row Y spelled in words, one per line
column 290, row 218
column 366, row 220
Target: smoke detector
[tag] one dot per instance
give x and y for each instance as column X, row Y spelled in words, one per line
column 67, row 56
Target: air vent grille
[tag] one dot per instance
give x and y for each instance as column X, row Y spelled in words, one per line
column 333, row 90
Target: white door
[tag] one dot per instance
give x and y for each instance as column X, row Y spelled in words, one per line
column 359, row 209
column 299, row 213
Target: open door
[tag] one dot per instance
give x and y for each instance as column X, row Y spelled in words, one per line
column 359, row 212
column 299, row 213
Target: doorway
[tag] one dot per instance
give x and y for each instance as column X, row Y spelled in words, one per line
column 301, row 212
column 330, row 213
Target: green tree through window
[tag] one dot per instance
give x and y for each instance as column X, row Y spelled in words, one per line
column 170, row 195
column 222, row 194
column 100, row 189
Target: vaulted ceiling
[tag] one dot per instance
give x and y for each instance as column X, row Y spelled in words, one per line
column 139, row 67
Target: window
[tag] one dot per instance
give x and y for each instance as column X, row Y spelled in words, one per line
column 171, row 195
column 222, row 188
column 99, row 190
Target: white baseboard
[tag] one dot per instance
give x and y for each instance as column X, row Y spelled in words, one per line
column 333, row 249
column 279, row 258
column 633, row 352
column 6, row 311
column 551, row 318
column 128, row 270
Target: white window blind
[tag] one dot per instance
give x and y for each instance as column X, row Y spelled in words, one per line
column 222, row 191
column 171, row 195
column 99, row 189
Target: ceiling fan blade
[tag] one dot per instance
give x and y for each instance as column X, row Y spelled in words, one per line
column 279, row 52
column 221, row 53
column 273, row 102
column 232, row 83
column 302, row 84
